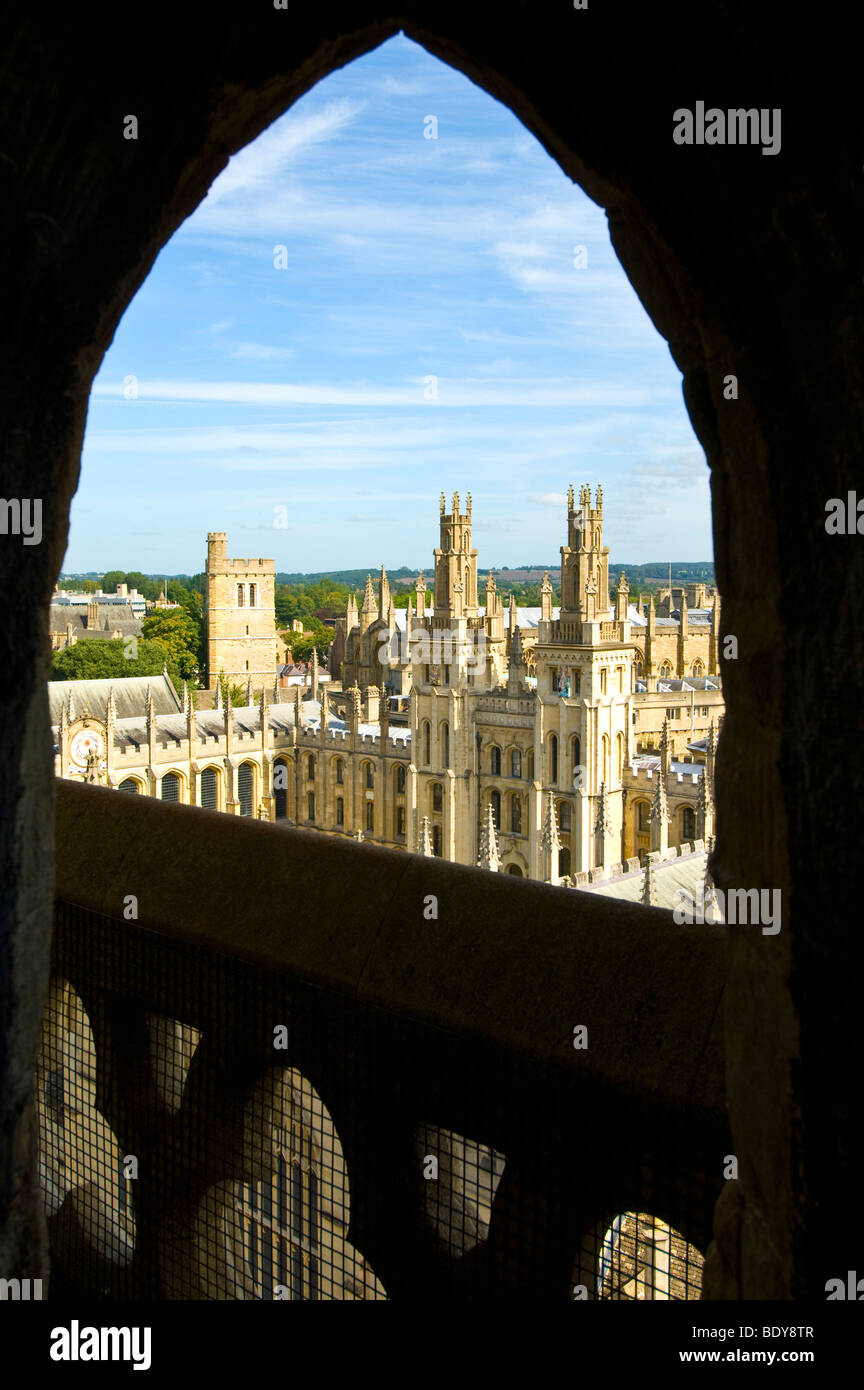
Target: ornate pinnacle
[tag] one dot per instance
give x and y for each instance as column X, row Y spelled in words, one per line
column 549, row 839
column 649, row 889
column 602, row 822
column 489, row 857
column 425, row 847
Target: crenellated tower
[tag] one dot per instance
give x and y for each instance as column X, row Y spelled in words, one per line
column 455, row 564
column 584, row 560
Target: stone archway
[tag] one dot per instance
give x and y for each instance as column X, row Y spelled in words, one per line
column 716, row 249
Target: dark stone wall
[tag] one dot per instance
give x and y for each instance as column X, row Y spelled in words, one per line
column 748, row 264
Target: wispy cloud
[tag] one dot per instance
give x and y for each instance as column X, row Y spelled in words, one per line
column 450, row 393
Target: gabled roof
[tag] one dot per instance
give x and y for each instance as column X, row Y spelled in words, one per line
column 130, row 696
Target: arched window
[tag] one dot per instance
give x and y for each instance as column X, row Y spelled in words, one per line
column 210, row 789
column 516, row 763
column 563, row 861
column 564, row 817
column 643, row 813
column 605, row 759
column 445, row 745
column 253, row 595
column 697, row 669
column 436, row 841
column 340, row 772
column 310, row 806
column 400, row 779
column 240, row 596
column 495, row 761
column 170, row 788
column 245, row 781
column 665, row 671
column 514, row 870
column 129, row 785
column 639, row 669
column 553, row 758
column 576, row 754
column 437, row 797
column 370, row 815
column 310, row 768
column 619, row 756
column 369, row 774
column 340, row 811
column 427, row 740
column 688, row 823
column 280, row 788
column 516, row 815
column 495, row 798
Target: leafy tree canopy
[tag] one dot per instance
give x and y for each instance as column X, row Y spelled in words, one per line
column 93, row 660
column 180, row 634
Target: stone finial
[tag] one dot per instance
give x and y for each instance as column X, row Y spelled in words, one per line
column 369, row 604
column 570, row 498
column 443, row 504
column 425, row 846
column 601, row 824
column 549, row 838
column 489, row 857
column 249, row 692
column 660, row 803
column 649, row 888
column 664, row 747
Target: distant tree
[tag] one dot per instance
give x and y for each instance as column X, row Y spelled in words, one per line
column 301, row 647
column 179, row 634
column 233, row 692
column 94, row 660
column 149, row 588
column 111, row 579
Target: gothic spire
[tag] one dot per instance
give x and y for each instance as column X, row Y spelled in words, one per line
column 649, row 888
column 489, row 856
column 425, row 846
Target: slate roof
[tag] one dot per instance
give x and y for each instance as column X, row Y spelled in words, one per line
column 130, row 696
column 669, row 876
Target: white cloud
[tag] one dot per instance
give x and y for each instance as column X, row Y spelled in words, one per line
column 256, row 167
column 260, row 352
column 452, row 392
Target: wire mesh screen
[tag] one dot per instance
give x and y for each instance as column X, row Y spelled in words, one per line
column 212, row 1128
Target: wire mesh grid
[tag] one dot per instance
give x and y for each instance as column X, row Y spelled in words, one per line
column 211, row 1129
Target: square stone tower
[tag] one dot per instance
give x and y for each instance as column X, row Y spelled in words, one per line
column 241, row 617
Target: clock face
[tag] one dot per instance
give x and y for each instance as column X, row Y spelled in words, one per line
column 84, row 743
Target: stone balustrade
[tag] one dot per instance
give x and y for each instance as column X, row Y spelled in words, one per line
column 277, row 1064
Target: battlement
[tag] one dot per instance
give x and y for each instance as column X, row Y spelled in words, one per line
column 251, row 566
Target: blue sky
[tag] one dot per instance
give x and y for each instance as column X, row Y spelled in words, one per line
column 308, row 388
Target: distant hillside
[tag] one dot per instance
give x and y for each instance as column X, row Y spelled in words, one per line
column 656, row 571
